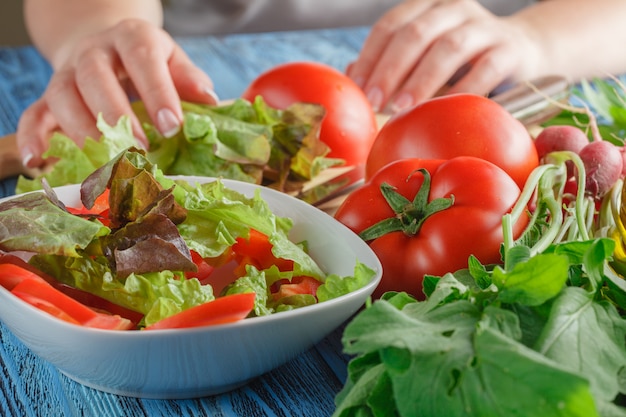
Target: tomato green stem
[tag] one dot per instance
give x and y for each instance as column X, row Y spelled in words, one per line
column 409, row 215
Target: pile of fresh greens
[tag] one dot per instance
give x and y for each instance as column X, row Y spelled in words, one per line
column 495, row 343
column 245, row 141
column 541, row 335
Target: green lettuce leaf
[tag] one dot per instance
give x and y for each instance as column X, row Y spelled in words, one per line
column 75, row 163
column 217, row 215
column 335, row 286
column 250, row 142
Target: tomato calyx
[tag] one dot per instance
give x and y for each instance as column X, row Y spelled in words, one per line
column 410, row 215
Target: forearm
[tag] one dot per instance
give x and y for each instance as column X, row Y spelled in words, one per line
column 56, row 26
column 579, row 38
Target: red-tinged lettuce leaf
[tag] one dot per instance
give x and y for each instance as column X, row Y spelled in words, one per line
column 129, row 162
column 152, row 244
column 297, row 137
column 33, row 222
column 134, row 190
column 94, row 185
column 166, row 204
column 129, row 198
column 144, row 217
column 298, row 154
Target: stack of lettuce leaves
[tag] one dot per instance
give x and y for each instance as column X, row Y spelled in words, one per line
column 244, row 141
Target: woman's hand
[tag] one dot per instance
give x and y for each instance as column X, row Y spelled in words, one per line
column 423, row 47
column 133, row 59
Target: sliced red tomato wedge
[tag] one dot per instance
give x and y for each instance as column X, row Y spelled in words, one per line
column 297, row 285
column 11, row 275
column 227, row 309
column 14, row 270
column 256, row 250
column 100, row 208
column 41, row 294
column 204, row 270
column 99, row 304
column 46, row 306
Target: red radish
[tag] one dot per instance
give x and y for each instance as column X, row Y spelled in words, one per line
column 560, row 138
column 603, row 165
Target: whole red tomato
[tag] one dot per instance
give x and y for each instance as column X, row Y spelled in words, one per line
column 349, row 127
column 456, row 125
column 467, row 198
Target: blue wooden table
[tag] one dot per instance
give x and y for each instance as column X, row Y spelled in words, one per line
column 307, row 385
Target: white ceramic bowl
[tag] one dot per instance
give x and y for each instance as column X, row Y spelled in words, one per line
column 187, row 363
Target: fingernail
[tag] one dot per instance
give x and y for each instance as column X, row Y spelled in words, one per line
column 27, row 156
column 213, row 95
column 375, row 97
column 403, row 101
column 167, row 122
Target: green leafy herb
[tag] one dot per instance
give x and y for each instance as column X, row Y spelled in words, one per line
column 467, row 355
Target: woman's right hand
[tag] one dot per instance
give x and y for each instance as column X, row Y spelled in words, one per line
column 133, row 59
column 422, row 48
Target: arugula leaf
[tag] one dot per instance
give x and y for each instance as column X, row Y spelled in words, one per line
column 507, row 377
column 360, row 395
column 452, row 361
column 533, row 282
column 576, row 328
